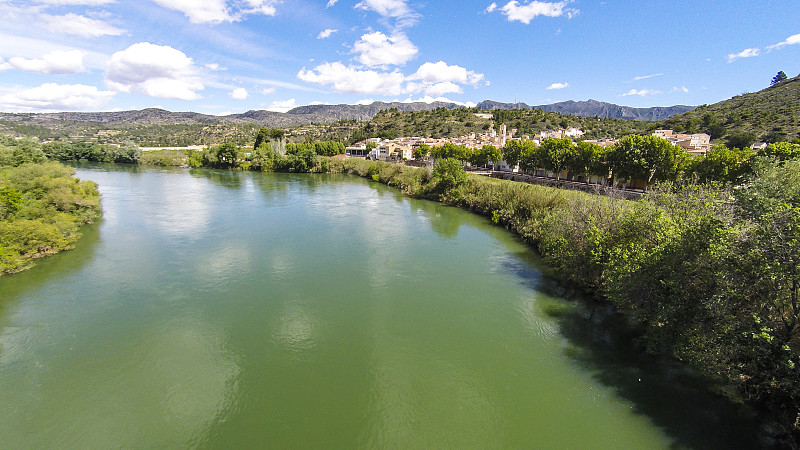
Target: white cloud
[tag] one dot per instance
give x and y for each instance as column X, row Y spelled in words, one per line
column 267, row 91
column 154, row 70
column 282, row 105
column 76, row 2
column 331, row 3
column 429, row 99
column 525, row 13
column 325, row 34
column 439, row 89
column 746, row 53
column 80, row 26
column 791, row 40
column 557, row 86
column 683, row 89
column 55, row 97
column 347, row 79
column 239, row 93
column 217, row 11
column 644, row 77
column 440, row 72
column 378, row 50
column 396, row 9
column 434, row 79
column 55, row 62
column 214, row 66
column 641, row 92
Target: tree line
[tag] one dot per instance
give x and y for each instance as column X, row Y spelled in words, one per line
column 649, row 159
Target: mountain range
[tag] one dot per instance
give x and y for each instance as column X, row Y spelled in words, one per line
column 326, row 114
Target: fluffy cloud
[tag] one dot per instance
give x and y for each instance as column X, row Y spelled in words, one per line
column 154, row 70
column 378, row 50
column 217, row 11
column 331, row 3
column 325, row 34
column 525, row 13
column 282, row 105
column 434, row 79
column 791, row 40
column 80, row 26
column 439, row 72
column 557, row 86
column 439, row 89
column 429, row 99
column 267, row 91
column 746, row 53
column 56, row 97
column 55, row 62
column 395, row 9
column 354, row 81
column 640, row 92
column 239, row 93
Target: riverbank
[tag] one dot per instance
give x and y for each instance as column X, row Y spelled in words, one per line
column 687, row 268
column 42, row 208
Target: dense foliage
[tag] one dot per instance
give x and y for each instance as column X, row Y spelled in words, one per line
column 41, row 205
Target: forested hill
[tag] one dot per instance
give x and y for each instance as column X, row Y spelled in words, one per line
column 769, row 115
column 594, row 108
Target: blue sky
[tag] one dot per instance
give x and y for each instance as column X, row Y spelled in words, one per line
column 230, row 56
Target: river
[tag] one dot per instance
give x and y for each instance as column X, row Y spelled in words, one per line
column 240, row 310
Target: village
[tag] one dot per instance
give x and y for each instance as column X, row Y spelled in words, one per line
column 403, row 148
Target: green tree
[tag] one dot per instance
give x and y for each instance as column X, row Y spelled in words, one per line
column 740, row 139
column 781, row 76
column 448, row 173
column 721, row 164
column 587, row 158
column 648, row 158
column 227, row 155
column 421, row 151
column 782, row 150
column 450, row 150
column 513, row 150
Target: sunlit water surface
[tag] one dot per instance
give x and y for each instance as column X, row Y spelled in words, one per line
column 239, row 310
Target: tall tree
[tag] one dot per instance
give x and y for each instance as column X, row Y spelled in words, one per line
column 778, row 78
column 648, row 158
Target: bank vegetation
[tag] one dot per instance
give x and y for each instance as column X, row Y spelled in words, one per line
column 42, row 206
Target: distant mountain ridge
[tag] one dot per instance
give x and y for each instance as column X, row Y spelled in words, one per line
column 303, row 115
column 591, row 108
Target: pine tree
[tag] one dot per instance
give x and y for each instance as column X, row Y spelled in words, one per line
column 778, row 78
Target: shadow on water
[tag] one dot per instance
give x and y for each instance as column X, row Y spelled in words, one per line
column 49, row 269
column 230, row 179
column 603, row 343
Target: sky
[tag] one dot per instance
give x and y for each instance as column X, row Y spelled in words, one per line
column 230, row 56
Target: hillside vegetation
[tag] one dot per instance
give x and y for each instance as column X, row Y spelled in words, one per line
column 769, row 115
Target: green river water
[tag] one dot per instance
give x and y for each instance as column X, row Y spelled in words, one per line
column 238, row 310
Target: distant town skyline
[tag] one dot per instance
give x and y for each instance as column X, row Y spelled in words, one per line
column 229, row 56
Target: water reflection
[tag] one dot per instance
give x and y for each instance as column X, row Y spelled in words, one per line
column 230, row 179
column 296, row 329
column 180, row 206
